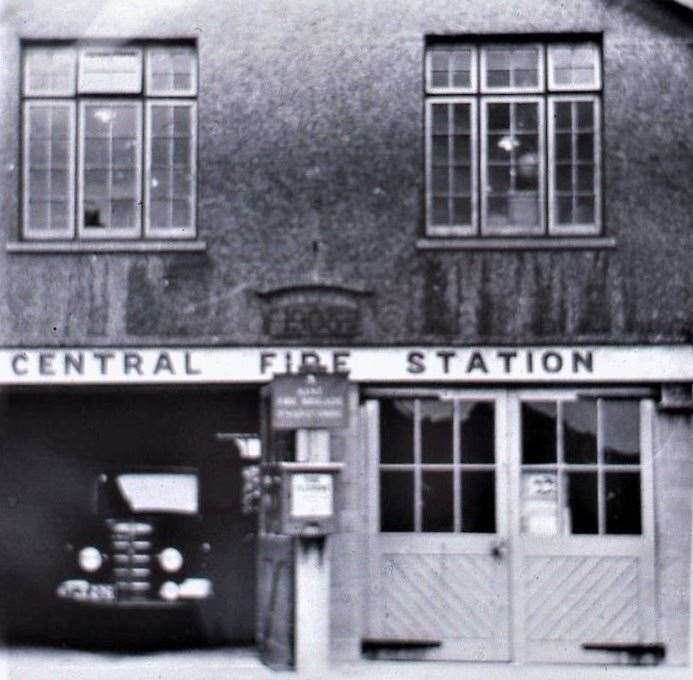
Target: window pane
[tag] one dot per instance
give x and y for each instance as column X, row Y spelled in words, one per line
column 623, row 514
column 451, row 67
column 49, row 176
column 538, row 432
column 396, row 501
column 171, row 162
column 563, row 112
column 585, row 178
column 171, row 70
column 39, row 215
column 573, row 66
column 461, row 177
column 436, row 501
column 498, row 211
column 583, row 503
column 478, row 502
column 564, row 177
column 441, row 213
column 440, row 180
column 110, row 70
column 477, row 432
column 111, row 165
column 585, row 146
column 585, row 115
column 621, row 426
column 50, row 71
column 462, row 211
column 585, row 210
column 580, row 431
column 461, row 117
column 499, row 178
column 440, row 118
column 499, row 117
column 512, row 166
column 462, row 149
column 565, row 210
column 526, row 117
column 436, row 431
column 396, row 431
column 512, row 66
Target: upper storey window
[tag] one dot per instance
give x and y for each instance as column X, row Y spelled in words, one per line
column 109, row 142
column 513, row 139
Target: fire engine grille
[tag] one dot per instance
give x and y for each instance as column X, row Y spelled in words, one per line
column 131, row 550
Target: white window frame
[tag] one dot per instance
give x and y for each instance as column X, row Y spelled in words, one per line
column 513, row 230
column 179, row 231
column 28, row 92
column 569, row 87
column 461, row 229
column 49, row 234
column 109, row 233
column 474, row 69
column 82, row 88
column 149, row 89
column 643, row 467
column 486, row 88
column 574, row 229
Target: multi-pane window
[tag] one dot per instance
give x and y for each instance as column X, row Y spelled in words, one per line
column 109, row 141
column 437, row 466
column 581, row 467
column 513, row 139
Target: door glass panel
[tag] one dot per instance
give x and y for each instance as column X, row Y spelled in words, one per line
column 583, row 503
column 621, row 432
column 396, row 500
column 477, row 432
column 623, row 503
column 436, row 431
column 436, row 501
column 478, row 501
column 538, row 432
column 396, row 431
column 580, row 431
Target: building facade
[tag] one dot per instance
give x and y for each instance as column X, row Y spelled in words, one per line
column 480, row 213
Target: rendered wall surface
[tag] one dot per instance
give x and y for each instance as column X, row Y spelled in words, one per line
column 673, row 468
column 311, row 138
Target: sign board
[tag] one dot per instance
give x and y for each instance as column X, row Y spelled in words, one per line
column 311, row 400
column 407, row 365
column 312, row 495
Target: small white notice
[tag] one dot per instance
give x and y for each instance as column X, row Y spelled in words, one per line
column 311, row 495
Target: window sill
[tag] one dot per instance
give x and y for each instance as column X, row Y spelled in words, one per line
column 493, row 243
column 70, row 247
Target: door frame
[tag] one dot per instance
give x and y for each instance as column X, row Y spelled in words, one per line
column 508, row 499
column 424, row 541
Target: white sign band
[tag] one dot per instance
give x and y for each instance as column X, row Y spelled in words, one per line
column 363, row 364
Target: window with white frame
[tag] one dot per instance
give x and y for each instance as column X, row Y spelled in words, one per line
column 581, row 467
column 513, row 139
column 109, row 141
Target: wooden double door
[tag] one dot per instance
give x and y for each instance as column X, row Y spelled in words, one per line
column 508, row 525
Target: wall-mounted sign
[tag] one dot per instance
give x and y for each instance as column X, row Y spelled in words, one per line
column 407, row 365
column 310, row 400
column 313, row 311
column 312, row 495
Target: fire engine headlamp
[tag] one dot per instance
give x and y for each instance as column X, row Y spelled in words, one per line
column 170, row 559
column 89, row 559
column 169, row 591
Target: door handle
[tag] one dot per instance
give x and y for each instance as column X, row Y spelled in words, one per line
column 499, row 549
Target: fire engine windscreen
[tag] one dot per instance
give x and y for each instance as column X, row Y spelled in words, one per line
column 159, row 492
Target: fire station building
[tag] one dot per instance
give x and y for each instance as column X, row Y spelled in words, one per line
column 389, row 297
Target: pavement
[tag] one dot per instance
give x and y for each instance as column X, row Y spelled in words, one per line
column 33, row 663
